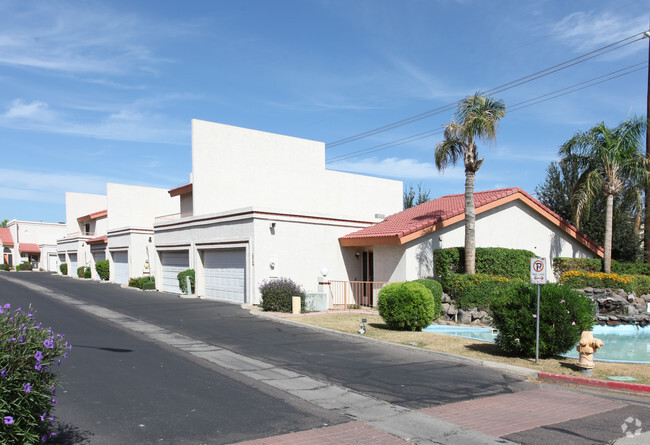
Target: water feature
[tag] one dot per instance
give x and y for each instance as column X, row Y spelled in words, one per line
column 625, row 343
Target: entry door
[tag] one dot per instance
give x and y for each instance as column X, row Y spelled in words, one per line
column 368, row 278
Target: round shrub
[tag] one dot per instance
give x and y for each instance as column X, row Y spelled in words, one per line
column 63, row 268
column 406, row 306
column 277, row 295
column 80, row 271
column 87, row 272
column 436, row 290
column 564, row 314
column 29, row 355
column 103, row 269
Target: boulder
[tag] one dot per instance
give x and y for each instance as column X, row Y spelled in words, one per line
column 464, row 317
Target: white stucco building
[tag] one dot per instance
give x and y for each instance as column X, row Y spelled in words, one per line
column 261, row 206
column 402, row 246
column 33, row 242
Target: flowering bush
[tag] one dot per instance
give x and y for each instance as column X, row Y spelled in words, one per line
column 477, row 290
column 564, row 314
column 277, row 293
column 406, row 306
column 28, row 355
column 579, row 280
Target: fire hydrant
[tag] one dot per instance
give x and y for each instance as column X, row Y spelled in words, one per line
column 586, row 348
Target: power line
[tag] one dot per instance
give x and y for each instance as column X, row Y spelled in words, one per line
column 512, row 84
column 518, row 106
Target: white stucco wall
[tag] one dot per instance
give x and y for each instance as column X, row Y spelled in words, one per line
column 136, row 206
column 81, row 204
column 235, row 167
column 136, row 242
column 513, row 226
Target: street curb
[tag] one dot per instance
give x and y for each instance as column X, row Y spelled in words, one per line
column 621, row 386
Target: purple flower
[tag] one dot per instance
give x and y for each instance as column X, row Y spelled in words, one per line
column 53, row 401
column 6, row 306
column 30, row 314
column 38, row 356
column 43, row 417
column 3, row 373
column 27, row 387
column 8, row 420
column 11, row 339
column 21, row 339
column 49, row 343
column 37, row 366
column 65, row 355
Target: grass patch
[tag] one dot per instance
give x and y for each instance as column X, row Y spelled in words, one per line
column 347, row 322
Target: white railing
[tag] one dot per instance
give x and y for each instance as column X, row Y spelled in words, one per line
column 172, row 217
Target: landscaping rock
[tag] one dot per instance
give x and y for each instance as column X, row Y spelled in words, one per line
column 464, row 317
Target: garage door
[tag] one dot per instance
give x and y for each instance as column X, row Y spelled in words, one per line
column 72, row 267
column 52, row 262
column 121, row 263
column 172, row 264
column 225, row 275
column 99, row 256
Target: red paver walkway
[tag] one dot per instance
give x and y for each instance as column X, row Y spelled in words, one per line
column 351, row 433
column 510, row 413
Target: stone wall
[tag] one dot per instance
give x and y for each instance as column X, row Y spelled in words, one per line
column 617, row 307
column 451, row 315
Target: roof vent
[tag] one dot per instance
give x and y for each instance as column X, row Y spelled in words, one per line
column 380, row 216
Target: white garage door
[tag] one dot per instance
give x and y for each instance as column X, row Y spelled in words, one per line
column 172, row 264
column 52, row 262
column 121, row 263
column 225, row 275
column 99, row 256
column 72, row 267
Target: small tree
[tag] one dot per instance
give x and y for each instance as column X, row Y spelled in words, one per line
column 411, row 199
column 103, row 269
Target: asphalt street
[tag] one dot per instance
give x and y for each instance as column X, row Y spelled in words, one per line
column 123, row 387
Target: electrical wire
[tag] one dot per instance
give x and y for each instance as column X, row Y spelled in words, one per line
column 506, row 86
column 518, row 106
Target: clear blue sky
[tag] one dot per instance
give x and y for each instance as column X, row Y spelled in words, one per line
column 104, row 91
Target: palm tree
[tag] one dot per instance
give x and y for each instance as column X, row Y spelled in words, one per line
column 612, row 164
column 476, row 118
column 4, row 222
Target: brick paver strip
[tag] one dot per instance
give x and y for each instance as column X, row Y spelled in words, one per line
column 351, row 433
column 510, row 413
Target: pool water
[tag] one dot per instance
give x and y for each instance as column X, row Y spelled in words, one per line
column 625, row 343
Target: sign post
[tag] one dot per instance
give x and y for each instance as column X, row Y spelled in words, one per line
column 538, row 277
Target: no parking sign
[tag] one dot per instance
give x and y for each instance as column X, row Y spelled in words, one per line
column 538, row 270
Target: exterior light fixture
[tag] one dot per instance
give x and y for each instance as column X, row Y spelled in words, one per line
column 362, row 326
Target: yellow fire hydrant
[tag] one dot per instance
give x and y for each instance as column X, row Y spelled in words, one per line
column 586, row 348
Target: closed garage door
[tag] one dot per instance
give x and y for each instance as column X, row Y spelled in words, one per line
column 72, row 267
column 121, row 263
column 225, row 275
column 99, row 256
column 52, row 262
column 172, row 264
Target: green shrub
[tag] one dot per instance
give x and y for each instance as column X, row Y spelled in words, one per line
column 640, row 284
column 277, row 295
column 25, row 265
column 182, row 282
column 599, row 280
column 17, row 267
column 406, row 306
column 631, row 268
column 80, row 271
column 477, row 290
column 87, row 272
column 496, row 261
column 595, row 265
column 436, row 290
column 103, row 270
column 564, row 314
column 29, row 355
column 5, row 267
column 141, row 282
column 63, row 268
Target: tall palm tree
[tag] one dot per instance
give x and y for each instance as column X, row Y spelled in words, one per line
column 476, row 118
column 612, row 163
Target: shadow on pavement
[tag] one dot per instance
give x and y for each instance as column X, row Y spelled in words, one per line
column 70, row 435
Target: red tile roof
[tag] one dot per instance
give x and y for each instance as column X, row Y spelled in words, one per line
column 183, row 189
column 98, row 240
column 5, row 236
column 92, row 216
column 29, row 248
column 417, row 221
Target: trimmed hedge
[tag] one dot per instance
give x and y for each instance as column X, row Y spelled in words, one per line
column 277, row 295
column 87, row 273
column 182, row 282
column 406, row 306
column 564, row 314
column 562, row 265
column 64, row 268
column 436, row 291
column 5, row 267
column 80, row 271
column 496, row 261
column 148, row 282
column 103, row 270
column 477, row 290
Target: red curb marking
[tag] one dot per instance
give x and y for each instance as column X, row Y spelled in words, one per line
column 637, row 387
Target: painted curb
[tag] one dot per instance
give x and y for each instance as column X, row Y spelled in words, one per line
column 621, row 386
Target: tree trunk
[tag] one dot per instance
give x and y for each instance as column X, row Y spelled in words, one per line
column 609, row 217
column 470, row 223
